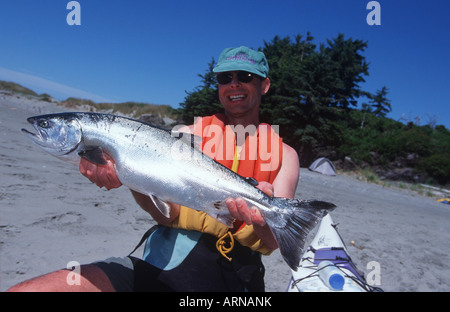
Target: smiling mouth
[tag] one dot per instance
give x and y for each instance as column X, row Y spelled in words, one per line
column 237, row 97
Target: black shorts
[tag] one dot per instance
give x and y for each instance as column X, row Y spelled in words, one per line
column 203, row 270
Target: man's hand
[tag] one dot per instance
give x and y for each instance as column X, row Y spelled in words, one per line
column 101, row 175
column 239, row 209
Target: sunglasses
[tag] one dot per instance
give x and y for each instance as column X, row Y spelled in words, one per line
column 242, row 76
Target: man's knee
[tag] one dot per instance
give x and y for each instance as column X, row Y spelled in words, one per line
column 88, row 278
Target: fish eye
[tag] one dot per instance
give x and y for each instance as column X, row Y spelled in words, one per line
column 44, row 124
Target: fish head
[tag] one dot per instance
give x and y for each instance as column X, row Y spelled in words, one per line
column 58, row 134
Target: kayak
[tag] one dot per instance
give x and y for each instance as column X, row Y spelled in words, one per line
column 326, row 265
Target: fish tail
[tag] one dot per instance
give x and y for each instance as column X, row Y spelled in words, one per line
column 291, row 222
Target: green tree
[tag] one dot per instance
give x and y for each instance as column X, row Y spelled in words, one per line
column 347, row 68
column 380, row 103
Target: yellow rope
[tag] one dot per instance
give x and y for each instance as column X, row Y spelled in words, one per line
column 220, row 245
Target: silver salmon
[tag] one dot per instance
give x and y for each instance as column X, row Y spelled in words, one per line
column 168, row 168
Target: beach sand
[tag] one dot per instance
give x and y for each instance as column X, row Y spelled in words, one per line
column 51, row 215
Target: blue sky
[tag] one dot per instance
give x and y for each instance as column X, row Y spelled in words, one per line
column 152, row 51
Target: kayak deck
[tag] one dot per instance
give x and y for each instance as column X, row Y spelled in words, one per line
column 327, row 245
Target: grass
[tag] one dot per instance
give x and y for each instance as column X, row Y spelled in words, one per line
column 365, row 175
column 131, row 109
column 14, row 87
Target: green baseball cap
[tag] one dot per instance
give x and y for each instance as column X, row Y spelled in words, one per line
column 244, row 59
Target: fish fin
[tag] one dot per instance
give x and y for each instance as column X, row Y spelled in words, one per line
column 162, row 206
column 223, row 214
column 228, row 220
column 195, row 141
column 251, row 181
column 300, row 217
column 94, row 154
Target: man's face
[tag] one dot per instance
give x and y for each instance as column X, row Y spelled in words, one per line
column 240, row 92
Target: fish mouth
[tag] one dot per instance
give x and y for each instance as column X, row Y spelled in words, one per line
column 37, row 137
column 29, row 133
column 34, row 137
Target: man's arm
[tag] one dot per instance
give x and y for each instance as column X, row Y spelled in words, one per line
column 285, row 184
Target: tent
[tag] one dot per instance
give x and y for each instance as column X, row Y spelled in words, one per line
column 324, row 166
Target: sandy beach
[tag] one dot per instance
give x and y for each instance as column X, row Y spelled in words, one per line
column 51, row 215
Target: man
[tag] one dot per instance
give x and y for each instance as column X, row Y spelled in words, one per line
column 192, row 251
